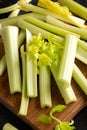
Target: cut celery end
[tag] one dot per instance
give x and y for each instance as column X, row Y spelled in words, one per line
column 10, row 38
column 24, row 98
column 67, row 60
column 80, row 78
column 8, row 126
column 31, row 71
column 66, row 92
column 45, row 87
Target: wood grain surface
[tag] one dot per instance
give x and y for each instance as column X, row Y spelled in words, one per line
column 12, row 102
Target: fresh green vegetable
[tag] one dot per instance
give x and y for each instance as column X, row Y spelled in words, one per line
column 80, row 78
column 21, row 38
column 67, row 60
column 75, row 7
column 45, row 86
column 31, row 68
column 61, row 24
column 24, row 98
column 10, row 38
column 47, row 119
column 8, row 126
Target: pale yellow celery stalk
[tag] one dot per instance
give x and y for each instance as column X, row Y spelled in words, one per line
column 14, row 13
column 67, row 60
column 24, row 98
column 45, row 86
column 66, row 92
column 8, row 126
column 31, row 70
column 21, row 38
column 10, row 39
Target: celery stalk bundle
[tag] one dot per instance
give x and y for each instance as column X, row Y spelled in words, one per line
column 54, row 38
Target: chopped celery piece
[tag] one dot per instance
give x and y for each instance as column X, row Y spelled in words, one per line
column 61, row 24
column 66, row 92
column 24, row 99
column 49, row 27
column 35, row 30
column 14, row 13
column 9, row 8
column 67, row 60
column 81, row 54
column 80, row 78
column 10, row 38
column 3, row 65
column 45, row 86
column 75, row 7
column 31, row 69
column 8, row 126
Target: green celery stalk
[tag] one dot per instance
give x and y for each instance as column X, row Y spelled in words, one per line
column 66, row 92
column 80, row 78
column 8, row 126
column 75, row 7
column 37, row 9
column 67, row 60
column 10, row 39
column 21, row 38
column 24, row 99
column 9, row 8
column 49, row 27
column 35, row 30
column 45, row 86
column 31, row 70
column 81, row 53
column 14, row 13
column 61, row 24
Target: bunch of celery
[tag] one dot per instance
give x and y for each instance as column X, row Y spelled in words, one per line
column 51, row 47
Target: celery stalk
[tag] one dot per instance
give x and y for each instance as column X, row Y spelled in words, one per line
column 3, row 65
column 35, row 30
column 75, row 7
column 14, row 13
column 80, row 78
column 46, row 26
column 67, row 60
column 66, row 92
column 66, row 26
column 8, row 126
column 10, row 38
column 37, row 9
column 9, row 8
column 31, row 70
column 24, row 99
column 45, row 87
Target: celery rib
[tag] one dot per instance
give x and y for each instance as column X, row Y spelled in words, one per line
column 10, row 38
column 80, row 78
column 24, row 98
column 66, row 26
column 31, row 70
column 67, row 60
column 45, row 87
column 8, row 126
column 9, row 8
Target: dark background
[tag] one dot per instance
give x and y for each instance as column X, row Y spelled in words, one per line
column 7, row 116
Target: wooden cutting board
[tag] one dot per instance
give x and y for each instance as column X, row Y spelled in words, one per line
column 12, row 102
